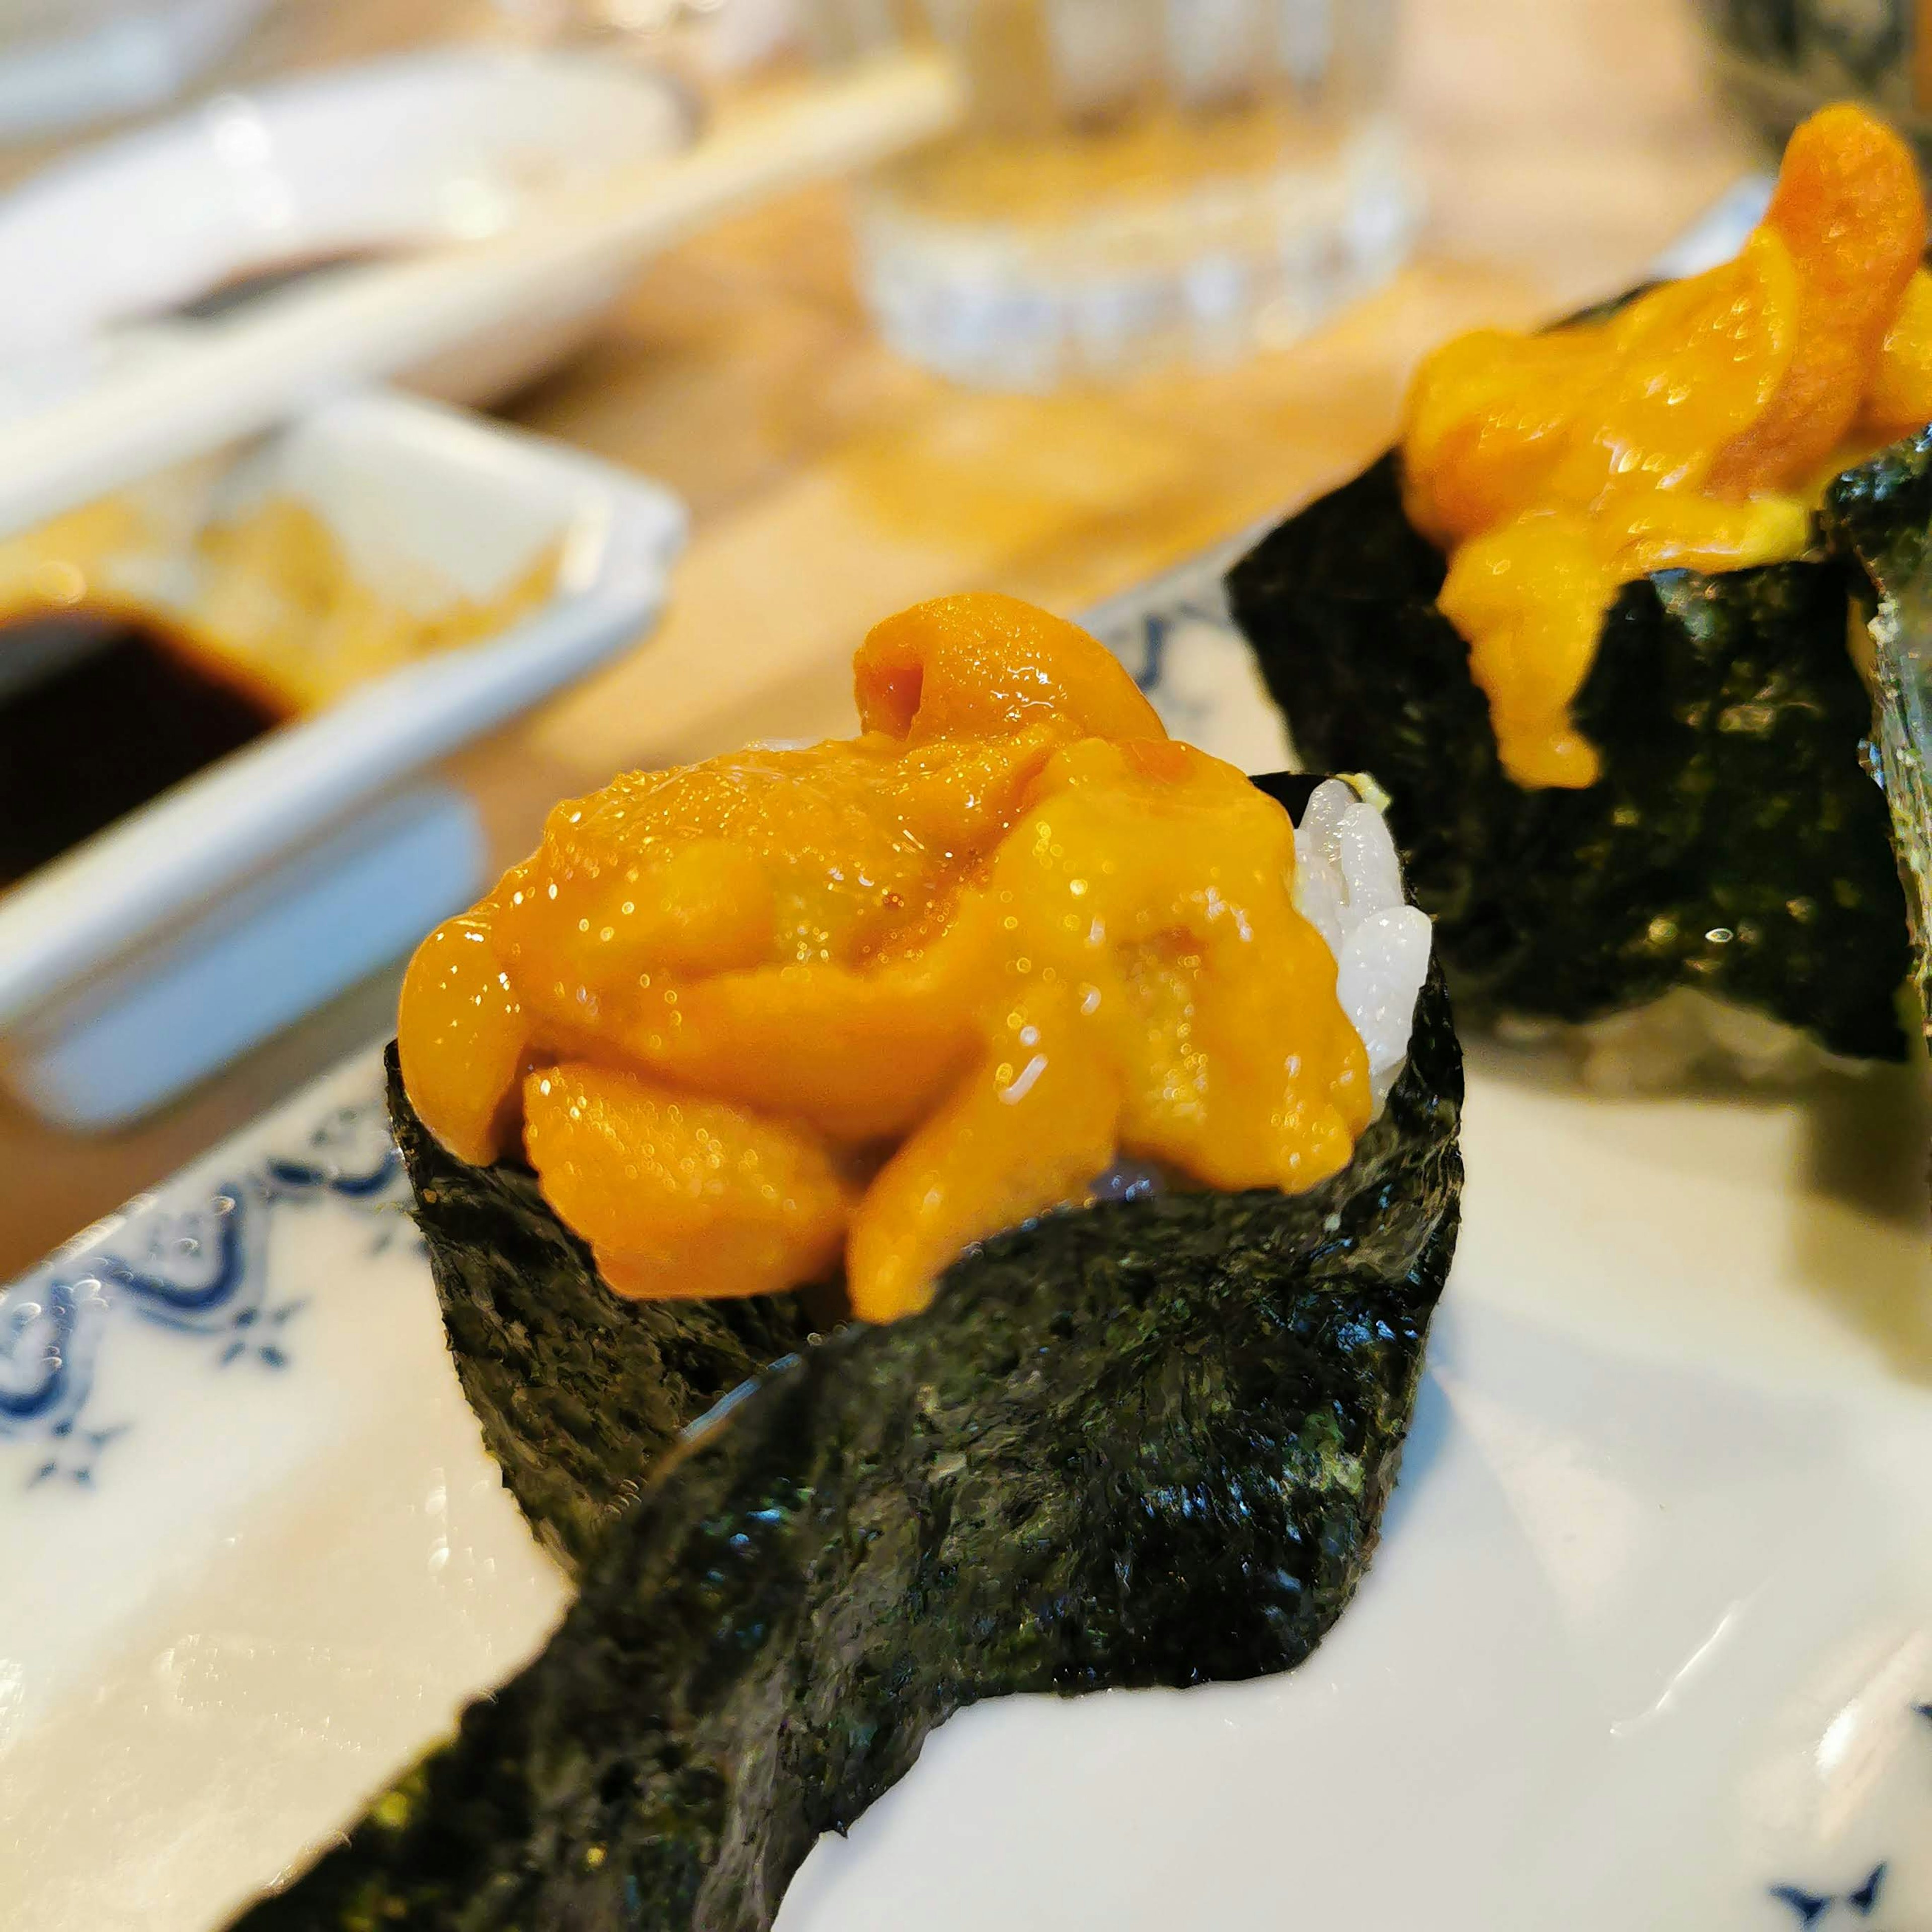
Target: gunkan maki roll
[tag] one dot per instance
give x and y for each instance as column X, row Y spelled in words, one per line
column 1075, row 1122
column 1587, row 626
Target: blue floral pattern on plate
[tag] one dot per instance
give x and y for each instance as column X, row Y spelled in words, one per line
column 1812, row 1908
column 199, row 1270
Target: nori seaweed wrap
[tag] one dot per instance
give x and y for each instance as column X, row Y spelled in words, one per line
column 1147, row 1441
column 1735, row 843
column 581, row 1393
column 1881, row 513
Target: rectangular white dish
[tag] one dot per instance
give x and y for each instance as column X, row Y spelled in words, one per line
column 416, row 495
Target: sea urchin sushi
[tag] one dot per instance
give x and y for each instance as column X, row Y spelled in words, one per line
column 1587, row 626
column 1117, row 1099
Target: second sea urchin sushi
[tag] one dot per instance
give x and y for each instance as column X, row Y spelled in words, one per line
column 1587, row 627
column 1139, row 1359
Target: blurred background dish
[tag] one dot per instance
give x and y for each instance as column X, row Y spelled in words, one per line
column 84, row 425
column 466, row 571
column 66, row 62
column 357, row 164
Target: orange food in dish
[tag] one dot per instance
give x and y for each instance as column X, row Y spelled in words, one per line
column 868, row 1002
column 1694, row 428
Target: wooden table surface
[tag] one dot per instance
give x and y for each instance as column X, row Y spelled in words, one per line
column 1560, row 142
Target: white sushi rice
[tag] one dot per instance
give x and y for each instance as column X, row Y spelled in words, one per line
column 1347, row 885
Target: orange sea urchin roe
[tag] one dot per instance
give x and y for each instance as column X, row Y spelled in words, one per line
column 881, row 998
column 1693, row 429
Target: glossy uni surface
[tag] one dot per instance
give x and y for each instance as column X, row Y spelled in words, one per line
column 1692, row 428
column 875, row 999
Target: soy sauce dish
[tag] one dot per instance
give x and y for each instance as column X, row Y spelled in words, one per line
column 215, row 688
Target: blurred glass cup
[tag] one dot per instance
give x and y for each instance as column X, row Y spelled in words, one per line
column 1138, row 182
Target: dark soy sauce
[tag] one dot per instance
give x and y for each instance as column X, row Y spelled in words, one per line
column 99, row 714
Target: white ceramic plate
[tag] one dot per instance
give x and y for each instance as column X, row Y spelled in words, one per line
column 64, row 62
column 1648, row 1643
